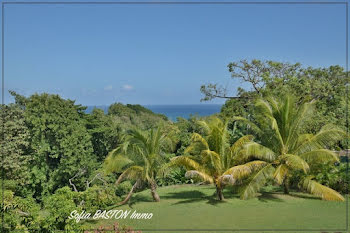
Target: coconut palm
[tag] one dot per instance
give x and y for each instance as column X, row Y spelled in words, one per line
column 285, row 149
column 139, row 158
column 212, row 159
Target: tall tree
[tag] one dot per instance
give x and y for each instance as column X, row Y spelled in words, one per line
column 140, row 158
column 14, row 144
column 285, row 147
column 59, row 142
column 264, row 78
column 212, row 159
column 105, row 132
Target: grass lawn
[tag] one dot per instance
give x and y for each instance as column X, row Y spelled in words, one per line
column 194, row 207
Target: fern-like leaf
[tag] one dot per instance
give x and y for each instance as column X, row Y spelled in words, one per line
column 321, row 191
column 257, row 181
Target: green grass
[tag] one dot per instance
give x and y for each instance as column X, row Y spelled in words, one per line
column 194, row 207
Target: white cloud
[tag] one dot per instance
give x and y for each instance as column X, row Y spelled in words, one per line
column 127, row 87
column 108, row 88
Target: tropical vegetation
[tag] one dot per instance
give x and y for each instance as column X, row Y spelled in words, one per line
column 212, row 159
column 140, row 158
column 285, row 148
column 285, row 133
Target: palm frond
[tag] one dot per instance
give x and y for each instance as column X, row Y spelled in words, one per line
column 241, row 142
column 294, row 162
column 280, row 173
column 116, row 163
column 201, row 175
column 241, row 172
column 247, row 122
column 326, row 137
column 257, row 181
column 299, row 119
column 198, row 143
column 133, row 172
column 321, row 191
column 211, row 159
column 204, row 126
column 320, row 156
column 232, row 155
column 255, row 150
column 264, row 107
column 186, row 162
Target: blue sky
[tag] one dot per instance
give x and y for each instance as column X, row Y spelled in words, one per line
column 158, row 54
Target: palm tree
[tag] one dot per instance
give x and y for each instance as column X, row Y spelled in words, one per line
column 211, row 158
column 285, row 148
column 139, row 158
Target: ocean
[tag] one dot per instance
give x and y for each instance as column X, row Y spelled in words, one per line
column 174, row 111
column 185, row 111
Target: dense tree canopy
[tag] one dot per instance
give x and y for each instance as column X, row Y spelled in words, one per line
column 265, row 78
column 14, row 146
column 58, row 142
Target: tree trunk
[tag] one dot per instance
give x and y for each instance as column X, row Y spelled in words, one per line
column 286, row 186
column 153, row 191
column 219, row 193
column 127, row 198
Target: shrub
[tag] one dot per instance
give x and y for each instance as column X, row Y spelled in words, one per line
column 59, row 207
column 97, row 197
column 123, row 188
column 176, row 176
column 19, row 213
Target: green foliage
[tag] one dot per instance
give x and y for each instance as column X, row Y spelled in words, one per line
column 211, row 158
column 98, row 197
column 135, row 116
column 175, row 176
column 105, row 133
column 141, row 157
column 19, row 213
column 14, row 146
column 59, row 207
column 59, row 142
column 48, row 140
column 332, row 176
column 287, row 149
column 185, row 129
column 123, row 188
column 326, row 85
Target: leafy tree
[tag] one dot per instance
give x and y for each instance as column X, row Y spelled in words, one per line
column 135, row 116
column 285, row 148
column 264, row 78
column 212, row 158
column 105, row 133
column 59, row 142
column 140, row 158
column 14, row 146
column 59, row 206
column 19, row 213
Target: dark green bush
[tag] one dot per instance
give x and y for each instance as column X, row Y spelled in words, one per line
column 98, row 197
column 176, row 176
column 123, row 188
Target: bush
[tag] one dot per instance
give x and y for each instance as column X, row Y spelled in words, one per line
column 123, row 188
column 97, row 197
column 19, row 213
column 176, row 176
column 59, row 207
column 333, row 177
column 330, row 175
